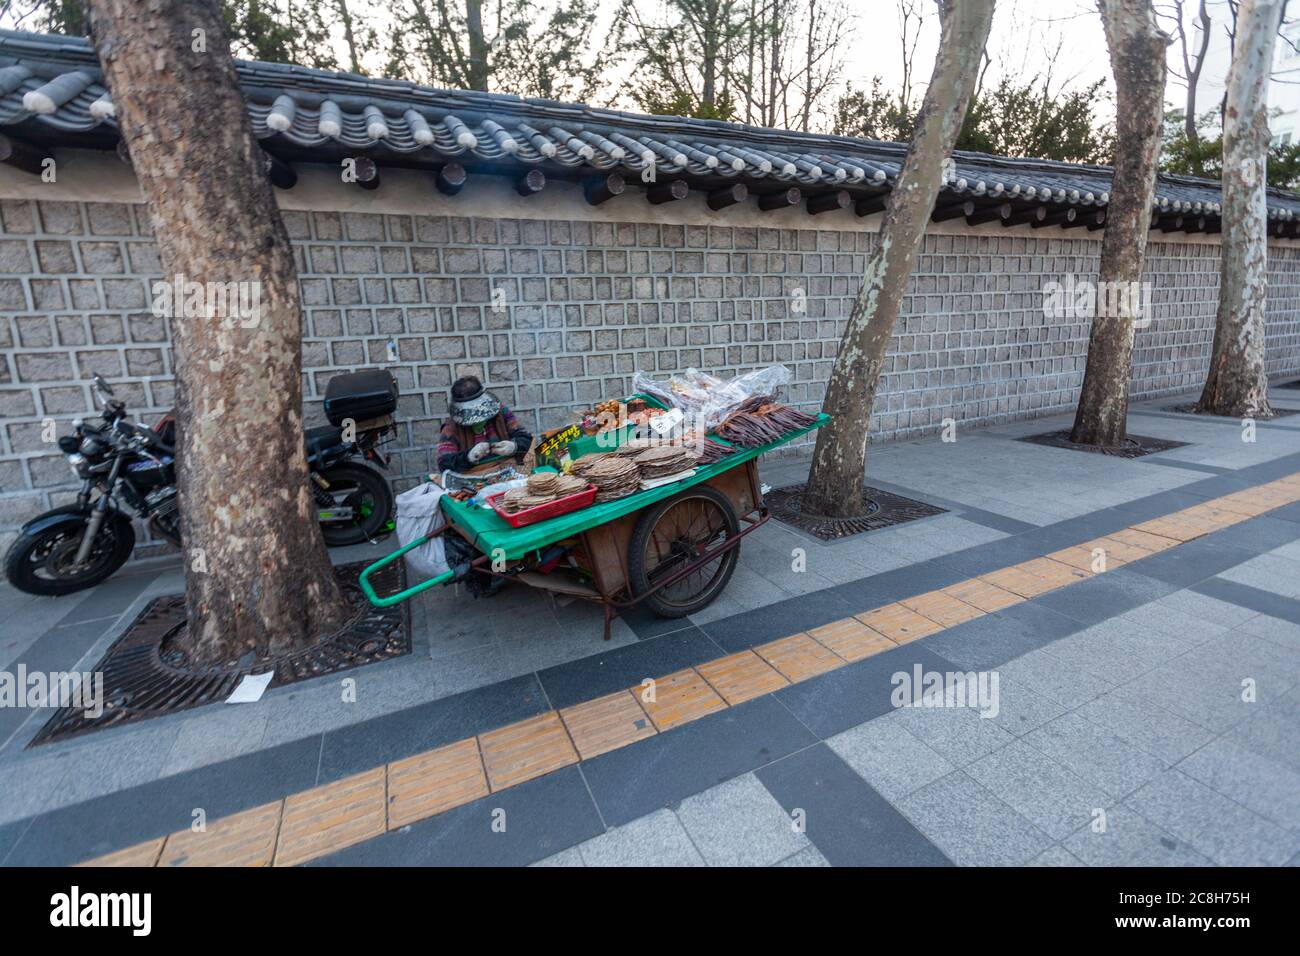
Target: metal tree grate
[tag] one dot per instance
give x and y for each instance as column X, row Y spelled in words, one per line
column 143, row 679
column 1135, row 447
column 884, row 510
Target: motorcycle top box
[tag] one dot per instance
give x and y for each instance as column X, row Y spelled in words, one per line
column 360, row 396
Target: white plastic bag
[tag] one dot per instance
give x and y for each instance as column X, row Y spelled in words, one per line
column 418, row 515
column 707, row 399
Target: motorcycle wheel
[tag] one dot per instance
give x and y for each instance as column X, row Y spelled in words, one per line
column 42, row 563
column 369, row 496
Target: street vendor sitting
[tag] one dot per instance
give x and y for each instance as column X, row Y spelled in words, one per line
column 480, row 429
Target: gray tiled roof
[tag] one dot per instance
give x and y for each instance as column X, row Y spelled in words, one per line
column 51, row 92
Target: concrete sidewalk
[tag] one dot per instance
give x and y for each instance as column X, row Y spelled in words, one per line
column 1121, row 735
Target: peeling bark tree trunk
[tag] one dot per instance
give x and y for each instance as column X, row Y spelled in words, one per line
column 1137, row 56
column 839, row 461
column 257, row 575
column 1237, row 384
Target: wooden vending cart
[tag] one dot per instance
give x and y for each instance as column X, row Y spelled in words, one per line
column 672, row 548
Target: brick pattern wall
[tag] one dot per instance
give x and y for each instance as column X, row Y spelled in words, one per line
column 582, row 305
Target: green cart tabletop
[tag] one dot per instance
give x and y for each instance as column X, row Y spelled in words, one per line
column 489, row 531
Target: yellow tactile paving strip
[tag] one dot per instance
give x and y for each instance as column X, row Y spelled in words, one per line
column 244, row 839
column 434, row 781
column 319, row 821
column 741, row 677
column 526, row 750
column 799, row 657
column 607, row 723
column 680, row 698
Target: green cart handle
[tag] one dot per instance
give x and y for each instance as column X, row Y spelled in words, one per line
column 400, row 596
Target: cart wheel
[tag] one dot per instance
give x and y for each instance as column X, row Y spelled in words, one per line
column 671, row 535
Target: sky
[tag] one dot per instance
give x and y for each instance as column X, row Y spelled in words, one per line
column 1029, row 38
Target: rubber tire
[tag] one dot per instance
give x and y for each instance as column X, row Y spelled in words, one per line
column 18, row 570
column 339, row 535
column 638, row 573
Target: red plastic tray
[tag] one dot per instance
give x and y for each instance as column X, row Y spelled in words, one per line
column 552, row 509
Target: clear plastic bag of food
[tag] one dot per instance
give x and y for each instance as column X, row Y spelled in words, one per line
column 707, row 399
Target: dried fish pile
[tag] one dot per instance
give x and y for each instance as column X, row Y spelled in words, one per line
column 760, row 420
column 613, row 476
column 541, row 489
column 709, row 452
column 664, row 460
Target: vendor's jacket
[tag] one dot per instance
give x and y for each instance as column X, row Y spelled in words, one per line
column 456, row 440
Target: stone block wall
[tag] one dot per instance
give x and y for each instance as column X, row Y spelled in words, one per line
column 557, row 314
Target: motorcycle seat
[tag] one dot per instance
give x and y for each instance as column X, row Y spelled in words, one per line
column 322, row 439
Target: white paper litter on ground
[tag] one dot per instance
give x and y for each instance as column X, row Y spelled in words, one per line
column 251, row 688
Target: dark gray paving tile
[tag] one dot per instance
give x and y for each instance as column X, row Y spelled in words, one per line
column 983, row 558
column 849, row 822
column 1105, row 595
column 888, row 586
column 626, row 666
column 112, row 597
column 1258, row 535
column 1073, row 531
column 1190, row 563
column 86, row 830
column 1274, row 468
column 1186, row 465
column 781, row 619
column 1236, row 480
column 540, row 817
column 663, row 770
column 1256, row 599
column 837, row 700
column 9, row 836
column 1159, row 504
column 989, row 519
column 1289, row 512
column 65, row 644
column 646, row 624
column 367, row 744
column 997, row 638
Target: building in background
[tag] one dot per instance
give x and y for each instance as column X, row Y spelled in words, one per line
column 555, row 250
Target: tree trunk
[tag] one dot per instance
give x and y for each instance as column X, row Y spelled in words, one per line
column 1137, row 56
column 1237, row 384
column 835, row 485
column 478, row 47
column 1192, row 67
column 349, row 37
column 257, row 575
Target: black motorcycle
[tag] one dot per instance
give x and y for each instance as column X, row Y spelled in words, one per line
column 131, row 467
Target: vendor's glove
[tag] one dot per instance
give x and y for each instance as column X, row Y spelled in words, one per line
column 503, row 448
column 479, row 452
